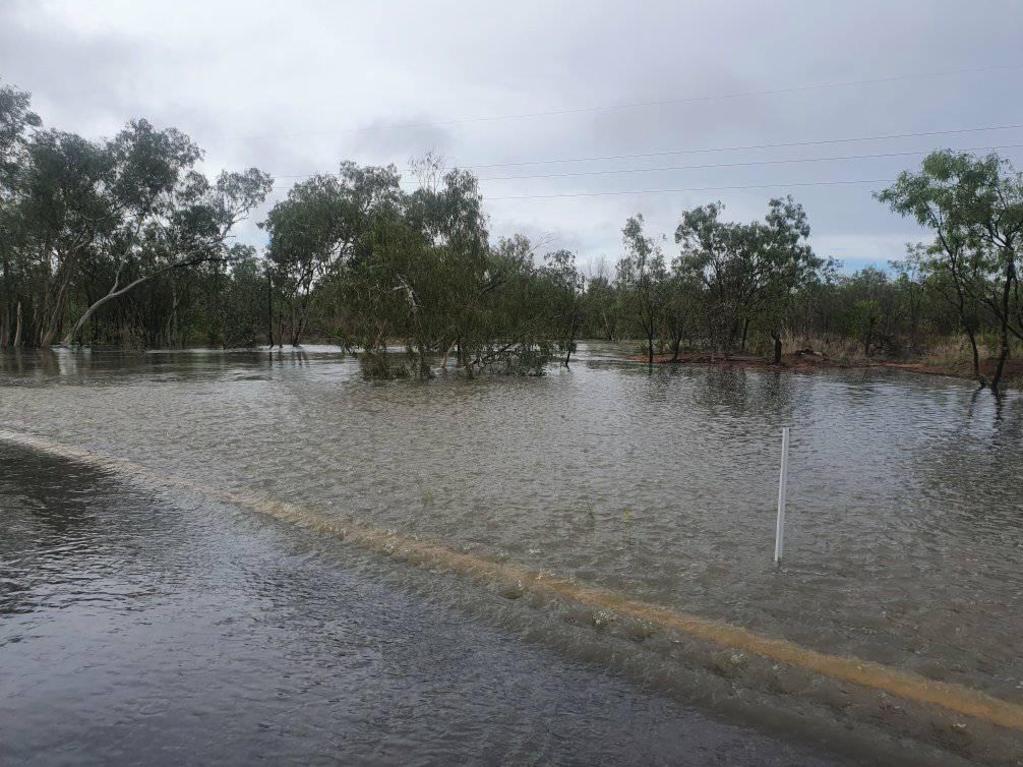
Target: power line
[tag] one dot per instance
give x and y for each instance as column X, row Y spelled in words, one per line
column 760, row 163
column 746, row 147
column 667, row 102
column 843, row 182
column 750, row 163
column 695, row 189
column 705, row 150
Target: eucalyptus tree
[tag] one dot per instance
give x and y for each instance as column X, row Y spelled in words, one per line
column 708, row 252
column 602, row 304
column 452, row 296
column 525, row 310
column 975, row 208
column 323, row 227
column 683, row 302
column 95, row 220
column 642, row 273
column 162, row 214
column 421, row 274
column 393, row 294
column 783, row 263
column 912, row 288
column 751, row 272
column 63, row 218
column 566, row 298
column 17, row 121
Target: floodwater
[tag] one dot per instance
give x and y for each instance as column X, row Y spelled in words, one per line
column 904, row 546
column 135, row 630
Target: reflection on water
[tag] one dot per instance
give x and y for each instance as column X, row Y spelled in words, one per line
column 905, row 524
column 135, row 630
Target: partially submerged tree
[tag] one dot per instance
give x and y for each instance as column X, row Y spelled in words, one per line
column 751, row 272
column 86, row 222
column 323, row 226
column 565, row 302
column 642, row 272
column 124, row 241
column 17, row 121
column 683, row 302
column 975, row 207
column 160, row 215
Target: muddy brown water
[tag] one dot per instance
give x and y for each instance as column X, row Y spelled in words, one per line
column 905, row 522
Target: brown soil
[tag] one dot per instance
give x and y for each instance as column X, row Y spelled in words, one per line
column 806, row 360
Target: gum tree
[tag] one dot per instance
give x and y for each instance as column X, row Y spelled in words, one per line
column 17, row 123
column 975, row 208
column 566, row 298
column 751, row 272
column 642, row 274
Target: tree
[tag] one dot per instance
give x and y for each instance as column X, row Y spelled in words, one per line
column 911, row 287
column 566, row 297
column 602, row 304
column 975, row 207
column 783, row 264
column 325, row 224
column 642, row 273
column 682, row 301
column 165, row 222
column 710, row 252
column 17, row 120
column 63, row 216
column 96, row 220
column 751, row 272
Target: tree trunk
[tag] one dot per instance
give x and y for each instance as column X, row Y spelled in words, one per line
column 777, row 347
column 270, row 309
column 17, row 326
column 424, row 373
column 76, row 329
column 976, row 358
column 53, row 322
column 115, row 292
column 650, row 349
column 571, row 339
column 1003, row 330
column 1003, row 354
column 869, row 340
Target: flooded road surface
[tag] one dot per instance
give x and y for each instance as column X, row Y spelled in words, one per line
column 136, row 629
column 905, row 523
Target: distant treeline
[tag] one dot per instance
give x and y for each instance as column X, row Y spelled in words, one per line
column 124, row 242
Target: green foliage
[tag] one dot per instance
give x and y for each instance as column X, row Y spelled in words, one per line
column 124, row 241
column 85, row 223
column 975, row 208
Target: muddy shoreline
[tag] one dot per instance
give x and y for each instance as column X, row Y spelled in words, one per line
column 809, row 361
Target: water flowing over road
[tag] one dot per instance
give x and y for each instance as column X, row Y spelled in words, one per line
column 905, row 548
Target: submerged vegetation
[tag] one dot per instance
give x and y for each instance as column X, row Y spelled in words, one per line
column 125, row 242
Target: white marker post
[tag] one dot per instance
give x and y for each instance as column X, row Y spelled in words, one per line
column 779, row 533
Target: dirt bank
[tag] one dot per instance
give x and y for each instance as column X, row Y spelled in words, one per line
column 807, row 360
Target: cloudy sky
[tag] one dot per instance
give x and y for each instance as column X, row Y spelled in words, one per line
column 576, row 114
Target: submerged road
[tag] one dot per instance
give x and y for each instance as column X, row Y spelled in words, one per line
column 134, row 627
